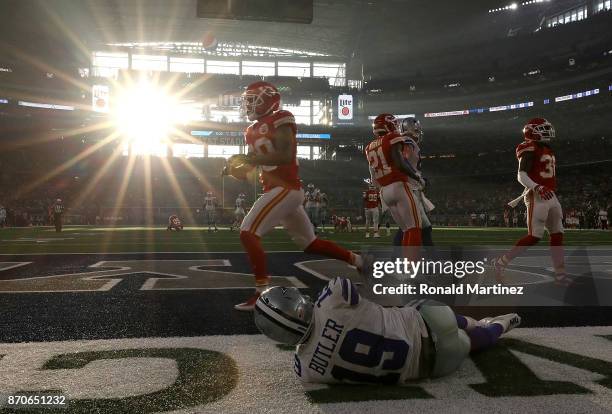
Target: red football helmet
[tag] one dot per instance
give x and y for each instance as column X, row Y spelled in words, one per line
column 538, row 129
column 260, row 99
column 384, row 123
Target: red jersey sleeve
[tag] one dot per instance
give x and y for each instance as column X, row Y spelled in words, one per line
column 524, row 147
column 281, row 118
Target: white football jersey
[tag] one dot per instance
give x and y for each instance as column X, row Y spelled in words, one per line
column 210, row 202
column 355, row 340
column 310, row 199
column 324, row 200
column 414, row 159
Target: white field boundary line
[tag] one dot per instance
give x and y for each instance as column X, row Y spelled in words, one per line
column 13, row 266
column 125, row 271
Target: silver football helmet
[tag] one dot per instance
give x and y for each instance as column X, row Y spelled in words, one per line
column 411, row 127
column 283, row 314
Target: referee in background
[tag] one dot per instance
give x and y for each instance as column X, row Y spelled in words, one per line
column 58, row 211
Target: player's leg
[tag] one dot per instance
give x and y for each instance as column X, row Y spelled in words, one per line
column 298, row 226
column 368, row 221
column 537, row 212
column 235, row 222
column 323, row 218
column 426, row 228
column 486, row 332
column 309, row 214
column 554, row 225
column 58, row 222
column 267, row 212
column 452, row 345
column 387, row 221
column 455, row 338
column 400, row 200
column 375, row 223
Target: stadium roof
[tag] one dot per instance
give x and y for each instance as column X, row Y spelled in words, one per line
column 339, row 27
column 384, row 35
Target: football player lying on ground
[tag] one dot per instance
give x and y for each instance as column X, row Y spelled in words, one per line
column 343, row 337
column 272, row 143
column 174, row 223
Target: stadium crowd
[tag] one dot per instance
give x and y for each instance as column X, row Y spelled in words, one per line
column 467, row 188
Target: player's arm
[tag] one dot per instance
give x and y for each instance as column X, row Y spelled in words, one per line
column 401, row 163
column 525, row 165
column 283, row 145
column 373, row 179
column 339, row 292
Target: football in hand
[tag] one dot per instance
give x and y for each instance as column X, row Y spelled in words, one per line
column 237, row 166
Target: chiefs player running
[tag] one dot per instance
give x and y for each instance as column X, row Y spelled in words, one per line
column 537, row 174
column 272, row 145
column 393, row 160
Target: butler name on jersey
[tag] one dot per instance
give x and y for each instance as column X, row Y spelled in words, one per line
column 351, row 339
column 260, row 139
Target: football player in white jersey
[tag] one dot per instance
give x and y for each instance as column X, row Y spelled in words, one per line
column 310, row 204
column 317, row 207
column 411, row 127
column 210, row 209
column 239, row 212
column 342, row 337
column 2, row 216
column 323, row 211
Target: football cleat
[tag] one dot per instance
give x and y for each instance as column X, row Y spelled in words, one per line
column 563, row 280
column 367, row 235
column 249, row 305
column 366, row 268
column 499, row 267
column 376, row 235
column 508, row 321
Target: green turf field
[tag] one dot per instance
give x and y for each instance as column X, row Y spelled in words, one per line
column 91, row 239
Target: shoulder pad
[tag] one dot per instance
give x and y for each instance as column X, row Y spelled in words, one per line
column 282, row 117
column 395, row 137
column 523, row 147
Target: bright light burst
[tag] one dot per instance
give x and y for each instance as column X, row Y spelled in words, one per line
column 145, row 115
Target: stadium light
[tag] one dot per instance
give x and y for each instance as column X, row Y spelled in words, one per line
column 145, row 115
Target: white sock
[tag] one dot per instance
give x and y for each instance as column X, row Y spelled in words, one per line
column 357, row 261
